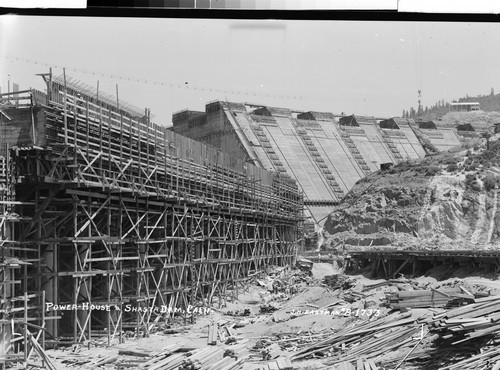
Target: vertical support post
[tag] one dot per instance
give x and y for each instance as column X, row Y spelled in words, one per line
column 121, row 283
column 100, row 134
column 32, row 118
column 49, row 88
column 65, row 113
column 75, row 135
column 148, row 123
column 25, row 326
column 43, row 319
column 121, row 127
column 87, row 126
column 139, row 143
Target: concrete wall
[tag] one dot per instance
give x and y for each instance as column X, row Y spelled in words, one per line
column 325, row 157
column 16, row 128
column 442, row 138
column 212, row 128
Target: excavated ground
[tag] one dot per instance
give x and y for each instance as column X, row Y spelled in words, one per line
column 258, row 329
column 446, row 201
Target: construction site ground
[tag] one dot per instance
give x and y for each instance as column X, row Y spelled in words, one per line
column 266, row 313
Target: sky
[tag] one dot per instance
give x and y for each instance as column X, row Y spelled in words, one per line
column 352, row 67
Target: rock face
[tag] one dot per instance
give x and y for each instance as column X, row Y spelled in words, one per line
column 447, row 201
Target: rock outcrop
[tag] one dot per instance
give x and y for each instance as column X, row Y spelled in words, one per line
column 445, row 201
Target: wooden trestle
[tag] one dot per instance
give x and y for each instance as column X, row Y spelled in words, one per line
column 114, row 210
column 391, row 263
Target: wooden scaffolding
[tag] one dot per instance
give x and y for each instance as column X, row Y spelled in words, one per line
column 118, row 218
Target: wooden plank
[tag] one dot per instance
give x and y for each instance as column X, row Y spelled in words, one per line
column 283, row 364
column 359, row 365
column 273, row 365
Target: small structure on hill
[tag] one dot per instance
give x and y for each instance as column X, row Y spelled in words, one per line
column 464, row 107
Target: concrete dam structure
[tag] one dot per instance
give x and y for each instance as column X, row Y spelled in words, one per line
column 325, row 153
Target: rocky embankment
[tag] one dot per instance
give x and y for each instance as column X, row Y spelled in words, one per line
column 446, row 201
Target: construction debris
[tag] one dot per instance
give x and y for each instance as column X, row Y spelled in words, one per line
column 370, row 338
column 429, row 298
column 447, row 335
column 212, row 334
column 469, row 322
column 338, row 281
column 489, row 359
column 174, row 358
column 271, row 352
column 94, row 194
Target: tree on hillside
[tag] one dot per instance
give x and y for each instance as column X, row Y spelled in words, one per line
column 486, row 135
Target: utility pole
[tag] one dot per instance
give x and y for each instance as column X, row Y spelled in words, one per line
column 419, row 111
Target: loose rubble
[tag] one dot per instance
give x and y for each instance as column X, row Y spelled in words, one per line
column 289, row 319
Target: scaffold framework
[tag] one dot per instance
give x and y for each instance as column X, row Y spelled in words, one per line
column 107, row 219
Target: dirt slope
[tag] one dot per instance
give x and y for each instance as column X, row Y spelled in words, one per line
column 446, row 201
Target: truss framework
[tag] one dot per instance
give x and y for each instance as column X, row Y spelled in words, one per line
column 115, row 212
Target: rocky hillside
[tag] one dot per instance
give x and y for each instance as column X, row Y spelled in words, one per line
column 446, row 201
column 477, row 119
column 488, row 103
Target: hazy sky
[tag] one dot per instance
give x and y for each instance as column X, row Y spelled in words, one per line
column 372, row 68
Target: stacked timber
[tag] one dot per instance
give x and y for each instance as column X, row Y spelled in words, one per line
column 204, row 358
column 428, row 298
column 207, row 358
column 489, row 359
column 272, row 352
column 239, row 350
column 166, row 359
column 389, row 282
column 281, row 363
column 470, row 322
column 352, row 296
column 367, row 340
column 358, row 365
column 338, row 281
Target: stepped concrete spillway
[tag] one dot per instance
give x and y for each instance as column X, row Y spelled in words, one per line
column 325, row 153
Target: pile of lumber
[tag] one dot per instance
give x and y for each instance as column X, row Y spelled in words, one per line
column 358, row 365
column 221, row 330
column 75, row 359
column 352, row 296
column 281, row 363
column 167, row 359
column 174, row 357
column 338, row 281
column 367, row 339
column 239, row 350
column 271, row 352
column 489, row 359
column 429, row 298
column 389, row 282
column 470, row 322
column 205, row 358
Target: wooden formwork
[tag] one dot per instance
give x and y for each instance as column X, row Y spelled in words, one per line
column 22, row 309
column 122, row 214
